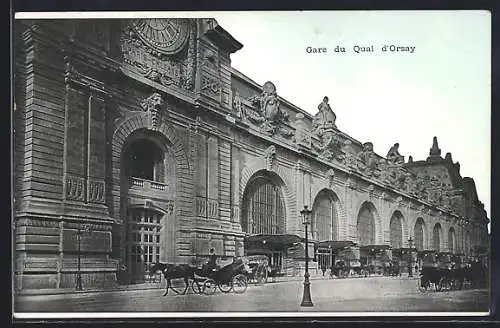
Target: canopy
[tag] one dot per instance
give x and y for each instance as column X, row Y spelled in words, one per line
column 334, row 245
column 275, row 240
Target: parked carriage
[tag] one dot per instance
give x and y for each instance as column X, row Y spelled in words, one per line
column 374, row 259
column 338, row 256
column 259, row 268
column 446, row 271
column 231, row 277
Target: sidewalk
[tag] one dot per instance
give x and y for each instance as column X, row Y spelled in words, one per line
column 178, row 285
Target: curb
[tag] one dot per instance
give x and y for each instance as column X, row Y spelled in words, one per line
column 68, row 291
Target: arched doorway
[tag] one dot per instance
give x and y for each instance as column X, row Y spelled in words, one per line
column 436, row 237
column 263, row 213
column 366, row 234
column 145, row 191
column 452, row 240
column 419, row 234
column 325, row 225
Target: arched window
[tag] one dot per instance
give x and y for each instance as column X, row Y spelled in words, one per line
column 144, row 239
column 144, row 160
column 467, row 243
column 366, row 225
column 263, row 207
column 436, row 237
column 396, row 231
column 324, row 223
column 452, row 242
column 419, row 234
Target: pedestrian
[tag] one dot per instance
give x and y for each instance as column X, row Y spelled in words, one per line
column 323, row 268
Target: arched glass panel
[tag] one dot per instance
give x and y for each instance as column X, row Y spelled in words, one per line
column 396, row 233
column 436, row 237
column 419, row 234
column 366, row 227
column 324, row 225
column 452, row 240
column 264, row 208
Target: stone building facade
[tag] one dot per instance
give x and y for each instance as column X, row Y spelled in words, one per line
column 140, row 136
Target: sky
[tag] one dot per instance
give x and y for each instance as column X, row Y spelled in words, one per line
column 442, row 89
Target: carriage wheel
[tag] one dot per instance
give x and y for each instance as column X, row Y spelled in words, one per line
column 197, row 286
column 262, row 277
column 439, row 285
column 209, row 287
column 226, row 287
column 240, row 284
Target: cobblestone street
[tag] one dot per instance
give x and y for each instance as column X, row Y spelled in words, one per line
column 378, row 294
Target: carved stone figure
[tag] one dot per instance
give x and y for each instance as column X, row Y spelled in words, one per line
column 325, row 118
column 369, row 161
column 237, row 104
column 269, row 115
column 330, row 146
column 153, row 105
column 330, row 175
column 393, row 156
column 270, row 156
column 269, row 102
column 383, row 173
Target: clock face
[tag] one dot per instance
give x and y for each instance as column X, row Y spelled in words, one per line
column 166, row 35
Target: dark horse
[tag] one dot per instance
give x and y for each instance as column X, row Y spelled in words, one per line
column 174, row 271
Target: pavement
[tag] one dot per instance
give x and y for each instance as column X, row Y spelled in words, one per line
column 372, row 294
column 160, row 285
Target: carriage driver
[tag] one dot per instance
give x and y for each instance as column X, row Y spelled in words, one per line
column 212, row 262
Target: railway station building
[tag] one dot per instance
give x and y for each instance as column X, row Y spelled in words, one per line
column 135, row 142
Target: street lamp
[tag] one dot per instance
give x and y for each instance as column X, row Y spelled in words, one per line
column 410, row 258
column 79, row 233
column 306, row 297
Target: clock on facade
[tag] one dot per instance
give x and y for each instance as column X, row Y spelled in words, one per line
column 166, row 35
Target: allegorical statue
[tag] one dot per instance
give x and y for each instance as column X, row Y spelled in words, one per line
column 325, row 118
column 269, row 103
column 393, row 156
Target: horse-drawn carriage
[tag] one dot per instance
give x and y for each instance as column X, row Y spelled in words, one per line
column 231, row 277
column 340, row 257
column 206, row 280
column 443, row 271
column 259, row 268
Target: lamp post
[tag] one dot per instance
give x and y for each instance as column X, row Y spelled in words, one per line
column 306, row 297
column 410, row 258
column 79, row 233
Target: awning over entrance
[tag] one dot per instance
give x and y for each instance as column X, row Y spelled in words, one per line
column 334, row 245
column 274, row 240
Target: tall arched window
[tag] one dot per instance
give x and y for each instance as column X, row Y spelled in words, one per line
column 436, row 237
column 419, row 234
column 366, row 225
column 324, row 223
column 452, row 242
column 263, row 207
column 396, row 231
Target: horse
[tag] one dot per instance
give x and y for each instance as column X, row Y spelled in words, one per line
column 174, row 271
